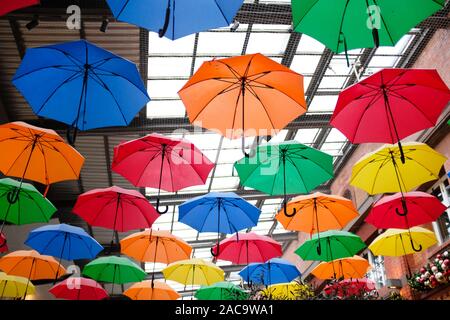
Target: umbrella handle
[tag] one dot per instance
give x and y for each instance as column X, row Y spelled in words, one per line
column 13, row 196
column 405, row 209
column 71, row 135
column 376, row 37
column 163, row 31
column 413, row 247
column 319, row 249
column 247, row 155
column 402, row 154
column 161, row 211
column 289, row 214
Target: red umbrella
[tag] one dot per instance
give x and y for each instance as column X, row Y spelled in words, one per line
column 413, row 209
column 244, row 248
column 399, row 101
column 350, row 287
column 160, row 162
column 3, row 244
column 115, row 208
column 77, row 288
column 7, row 6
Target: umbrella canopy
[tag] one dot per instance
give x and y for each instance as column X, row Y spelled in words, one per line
column 413, row 209
column 37, row 154
column 350, row 287
column 360, row 23
column 288, row 167
column 194, row 272
column 7, row 6
column 285, row 291
column 244, row 248
column 218, row 212
column 78, row 288
column 63, row 241
column 382, row 171
column 336, row 244
column 151, row 290
column 155, row 246
column 160, row 162
column 252, row 88
column 317, row 212
column 97, row 88
column 3, row 243
column 397, row 100
column 115, row 208
column 14, row 287
column 221, row 291
column 400, row 242
column 30, row 206
column 345, row 268
column 176, row 18
column 274, row 271
column 114, row 269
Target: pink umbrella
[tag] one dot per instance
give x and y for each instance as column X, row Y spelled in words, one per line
column 77, row 288
column 115, row 208
column 3, row 244
column 160, row 162
column 350, row 287
column 402, row 212
column 243, row 248
column 7, row 6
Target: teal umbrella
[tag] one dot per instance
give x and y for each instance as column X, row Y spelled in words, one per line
column 288, row 167
column 30, row 207
column 337, row 244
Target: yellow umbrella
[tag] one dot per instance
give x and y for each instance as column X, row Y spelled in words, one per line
column 348, row 268
column 14, row 287
column 382, row 171
column 400, row 242
column 193, row 271
column 287, row 291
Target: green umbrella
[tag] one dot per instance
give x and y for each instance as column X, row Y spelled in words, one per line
column 221, row 291
column 338, row 244
column 343, row 25
column 288, row 167
column 31, row 206
column 114, row 269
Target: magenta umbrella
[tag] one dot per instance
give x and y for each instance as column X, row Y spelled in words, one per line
column 244, row 248
column 403, row 212
column 78, row 288
column 115, row 208
column 3, row 244
column 159, row 162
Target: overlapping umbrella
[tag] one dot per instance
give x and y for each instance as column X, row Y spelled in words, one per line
column 273, row 271
column 7, row 6
column 317, row 212
column 36, row 154
column 3, row 243
column 288, row 167
column 176, row 18
column 218, row 212
column 14, row 286
column 151, row 290
column 345, row 268
column 97, row 88
column 350, row 287
column 193, row 272
column 78, row 288
column 221, row 291
column 244, row 248
column 160, row 162
column 241, row 96
column 336, row 244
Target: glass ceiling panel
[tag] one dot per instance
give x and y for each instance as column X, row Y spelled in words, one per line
column 268, row 43
column 220, row 42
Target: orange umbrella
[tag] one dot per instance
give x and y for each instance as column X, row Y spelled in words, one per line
column 346, row 268
column 317, row 212
column 37, row 154
column 155, row 246
column 150, row 290
column 249, row 95
column 31, row 265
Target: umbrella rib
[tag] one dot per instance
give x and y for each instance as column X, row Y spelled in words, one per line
column 41, row 148
column 44, row 68
column 369, row 105
column 113, row 74
column 342, row 25
column 73, row 77
column 67, row 161
column 20, row 154
column 383, row 163
column 306, row 13
column 398, row 95
column 384, row 22
column 221, row 12
column 170, row 171
column 148, row 163
column 234, row 72
column 252, row 91
column 298, row 171
column 423, row 166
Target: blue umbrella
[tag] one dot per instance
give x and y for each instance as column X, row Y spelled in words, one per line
column 82, row 85
column 63, row 241
column 219, row 212
column 176, row 18
column 274, row 271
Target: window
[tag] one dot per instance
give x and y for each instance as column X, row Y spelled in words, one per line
column 378, row 273
column 442, row 225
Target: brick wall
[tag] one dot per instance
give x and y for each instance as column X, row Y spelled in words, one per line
column 435, row 56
